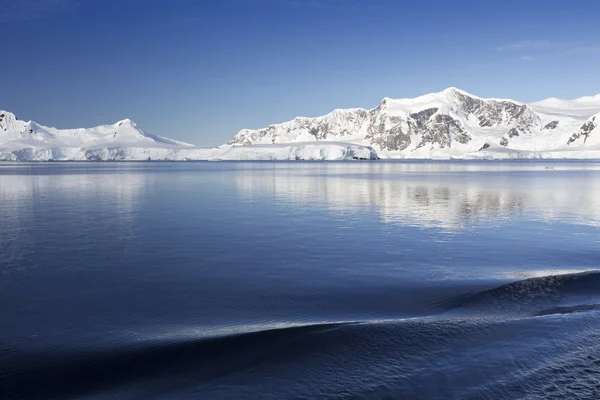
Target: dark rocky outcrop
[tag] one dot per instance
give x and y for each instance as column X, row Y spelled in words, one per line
column 491, row 113
column 392, row 139
column 584, row 131
column 422, row 117
column 551, row 125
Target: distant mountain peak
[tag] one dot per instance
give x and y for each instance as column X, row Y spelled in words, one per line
column 15, row 133
column 451, row 122
column 7, row 115
column 125, row 121
column 454, row 90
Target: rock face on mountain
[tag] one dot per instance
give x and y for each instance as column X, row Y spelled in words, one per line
column 451, row 123
column 28, row 141
column 585, row 131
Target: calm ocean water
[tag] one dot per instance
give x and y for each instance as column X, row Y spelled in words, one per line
column 300, row 280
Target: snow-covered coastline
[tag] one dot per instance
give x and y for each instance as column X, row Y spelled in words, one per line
column 309, row 151
column 125, row 141
column 451, row 124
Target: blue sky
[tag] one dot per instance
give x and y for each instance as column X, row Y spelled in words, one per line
column 201, row 70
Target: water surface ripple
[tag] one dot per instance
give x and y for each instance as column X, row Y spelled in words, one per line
column 300, row 280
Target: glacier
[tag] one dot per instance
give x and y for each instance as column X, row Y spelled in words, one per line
column 451, row 124
column 125, row 141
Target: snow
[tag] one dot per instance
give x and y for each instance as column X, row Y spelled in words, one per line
column 579, row 109
column 124, row 140
column 298, row 151
column 395, row 129
column 310, row 151
column 445, row 125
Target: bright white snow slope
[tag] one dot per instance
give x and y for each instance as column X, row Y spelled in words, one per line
column 28, row 141
column 452, row 124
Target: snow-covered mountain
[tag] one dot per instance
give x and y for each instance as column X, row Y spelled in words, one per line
column 29, row 141
column 20, row 133
column 449, row 124
column 452, row 123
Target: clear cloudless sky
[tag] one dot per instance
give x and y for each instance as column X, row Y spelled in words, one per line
column 201, row 70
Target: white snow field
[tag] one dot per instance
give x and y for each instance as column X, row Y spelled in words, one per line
column 449, row 124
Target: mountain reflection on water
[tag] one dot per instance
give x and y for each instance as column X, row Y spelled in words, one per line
column 448, row 195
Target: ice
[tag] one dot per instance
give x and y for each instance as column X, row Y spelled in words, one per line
column 124, row 140
column 451, row 124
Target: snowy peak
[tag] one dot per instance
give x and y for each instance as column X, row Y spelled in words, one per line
column 125, row 122
column 12, row 128
column 450, row 97
column 450, row 123
column 15, row 133
column 127, row 130
column 8, row 121
column 455, row 103
column 8, row 115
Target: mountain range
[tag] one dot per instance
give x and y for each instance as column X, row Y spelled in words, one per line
column 448, row 124
column 124, row 140
column 452, row 123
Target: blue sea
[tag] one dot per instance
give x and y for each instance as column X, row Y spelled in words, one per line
column 300, row 280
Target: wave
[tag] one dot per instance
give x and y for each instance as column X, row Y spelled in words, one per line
column 534, row 296
column 568, row 310
column 61, row 374
column 370, row 358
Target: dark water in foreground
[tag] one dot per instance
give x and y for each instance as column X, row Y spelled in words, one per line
column 357, row 280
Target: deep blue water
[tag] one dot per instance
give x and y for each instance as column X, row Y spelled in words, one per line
column 300, row 280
